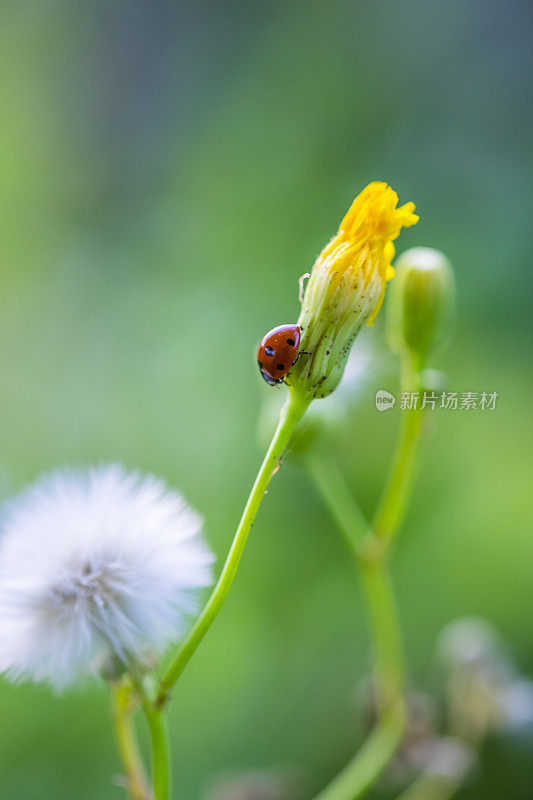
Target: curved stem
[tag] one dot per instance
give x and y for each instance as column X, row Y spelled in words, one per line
column 371, row 562
column 370, row 761
column 291, row 414
column 123, row 708
column 360, row 774
column 370, row 547
column 160, row 751
column 432, row 787
column 338, row 498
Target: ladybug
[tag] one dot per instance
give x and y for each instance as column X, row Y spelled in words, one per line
column 277, row 353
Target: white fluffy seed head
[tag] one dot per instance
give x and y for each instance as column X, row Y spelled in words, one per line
column 95, row 566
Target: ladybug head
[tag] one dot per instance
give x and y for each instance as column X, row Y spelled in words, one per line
column 266, row 377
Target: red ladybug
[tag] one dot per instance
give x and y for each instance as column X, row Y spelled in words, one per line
column 277, row 352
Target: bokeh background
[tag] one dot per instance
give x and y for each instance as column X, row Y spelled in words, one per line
column 169, row 170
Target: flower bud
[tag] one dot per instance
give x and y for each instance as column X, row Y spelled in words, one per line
column 346, row 287
column 421, row 302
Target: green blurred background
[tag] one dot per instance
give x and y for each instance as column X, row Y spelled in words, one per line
column 168, row 171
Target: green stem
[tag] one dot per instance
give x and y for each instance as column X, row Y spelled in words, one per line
column 369, row 762
column 290, row 416
column 389, row 669
column 397, row 491
column 432, row 787
column 370, row 547
column 123, row 708
column 337, row 498
column 160, row 751
column 371, row 561
column 360, row 774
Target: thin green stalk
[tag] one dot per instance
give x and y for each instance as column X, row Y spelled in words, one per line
column 432, row 787
column 389, row 669
column 371, row 562
column 161, row 769
column 290, row 416
column 374, row 755
column 123, row 708
column 360, row 774
column 337, row 498
column 397, row 491
column 370, row 547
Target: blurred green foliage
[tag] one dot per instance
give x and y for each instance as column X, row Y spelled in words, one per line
column 168, row 171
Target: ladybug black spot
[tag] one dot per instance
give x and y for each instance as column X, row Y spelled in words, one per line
column 291, row 342
column 281, row 366
column 269, row 350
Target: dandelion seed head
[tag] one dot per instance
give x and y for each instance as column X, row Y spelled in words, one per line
column 95, row 565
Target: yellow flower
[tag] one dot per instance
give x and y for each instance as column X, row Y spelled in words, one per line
column 364, row 242
column 347, row 286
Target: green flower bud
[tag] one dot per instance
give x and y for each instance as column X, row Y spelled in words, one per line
column 421, row 303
